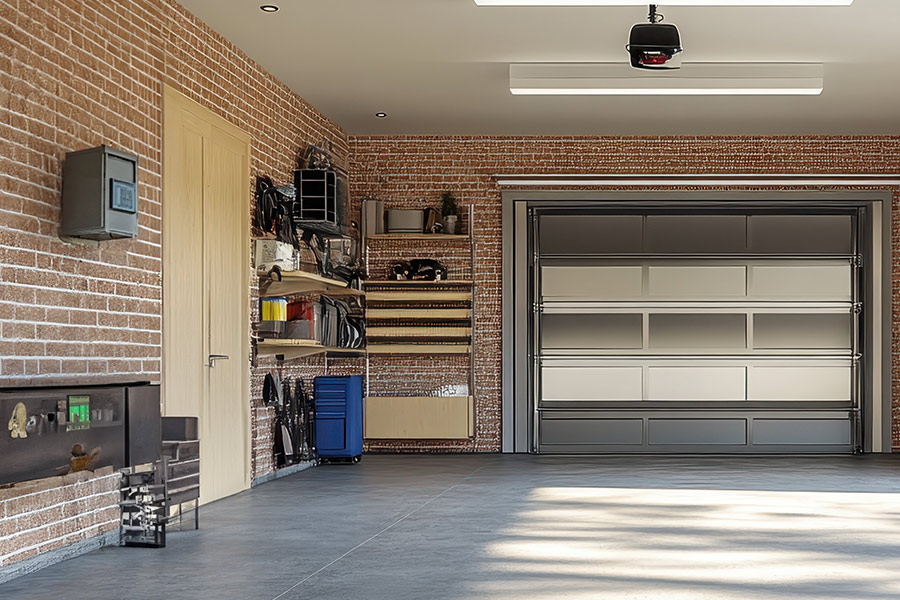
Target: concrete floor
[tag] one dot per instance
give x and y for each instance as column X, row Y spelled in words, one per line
column 541, row 528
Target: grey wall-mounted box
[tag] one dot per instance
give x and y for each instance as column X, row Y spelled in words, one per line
column 99, row 194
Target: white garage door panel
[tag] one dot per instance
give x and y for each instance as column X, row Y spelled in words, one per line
column 592, row 383
column 698, row 282
column 593, row 283
column 807, row 282
column 697, row 383
column 800, row 383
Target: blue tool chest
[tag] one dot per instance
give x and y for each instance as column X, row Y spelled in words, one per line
column 338, row 401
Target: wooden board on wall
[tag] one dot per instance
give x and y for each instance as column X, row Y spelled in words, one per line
column 418, row 418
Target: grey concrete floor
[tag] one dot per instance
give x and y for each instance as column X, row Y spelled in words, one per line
column 542, row 528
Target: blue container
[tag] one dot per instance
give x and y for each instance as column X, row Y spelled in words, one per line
column 339, row 417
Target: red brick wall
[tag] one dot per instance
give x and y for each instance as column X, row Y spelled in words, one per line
column 46, row 514
column 75, row 74
column 412, row 171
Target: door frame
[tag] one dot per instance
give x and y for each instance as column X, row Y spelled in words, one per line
column 517, row 401
column 173, row 97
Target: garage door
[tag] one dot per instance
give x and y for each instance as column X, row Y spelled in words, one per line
column 684, row 332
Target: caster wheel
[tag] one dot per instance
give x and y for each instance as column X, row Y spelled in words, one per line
column 356, row 459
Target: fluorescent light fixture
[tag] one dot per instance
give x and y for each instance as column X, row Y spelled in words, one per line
column 665, row 2
column 692, row 79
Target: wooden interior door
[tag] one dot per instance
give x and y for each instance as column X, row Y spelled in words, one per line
column 205, row 283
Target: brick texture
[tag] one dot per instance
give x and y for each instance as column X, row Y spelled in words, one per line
column 75, row 74
column 412, row 171
column 45, row 514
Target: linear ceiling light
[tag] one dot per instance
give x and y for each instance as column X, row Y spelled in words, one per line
column 693, row 79
column 665, row 2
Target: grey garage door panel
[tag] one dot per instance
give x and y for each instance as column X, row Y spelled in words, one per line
column 807, row 432
column 592, row 431
column 728, row 432
column 591, row 234
column 602, row 331
column 580, row 431
column 696, row 233
column 831, row 234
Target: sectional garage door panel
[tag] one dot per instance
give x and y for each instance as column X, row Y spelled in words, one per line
column 600, row 331
column 724, row 333
column 697, row 383
column 624, row 384
column 786, row 234
column 691, row 432
column 802, row 331
column 801, row 383
column 592, row 432
column 695, row 233
column 700, row 282
column 801, row 282
column 809, row 432
column 592, row 282
column 591, row 234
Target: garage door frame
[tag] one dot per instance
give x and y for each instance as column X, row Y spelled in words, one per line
column 518, row 403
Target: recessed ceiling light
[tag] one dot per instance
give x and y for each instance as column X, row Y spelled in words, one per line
column 268, row 8
column 381, row 115
column 667, row 2
column 693, row 79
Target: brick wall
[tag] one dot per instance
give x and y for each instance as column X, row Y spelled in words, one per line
column 412, row 171
column 46, row 514
column 76, row 74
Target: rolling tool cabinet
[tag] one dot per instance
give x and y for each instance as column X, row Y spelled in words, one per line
column 338, row 407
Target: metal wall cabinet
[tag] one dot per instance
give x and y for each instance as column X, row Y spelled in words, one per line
column 339, row 415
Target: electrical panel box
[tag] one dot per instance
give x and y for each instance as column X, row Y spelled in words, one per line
column 99, row 194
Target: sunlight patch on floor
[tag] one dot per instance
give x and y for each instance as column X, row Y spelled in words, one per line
column 674, row 544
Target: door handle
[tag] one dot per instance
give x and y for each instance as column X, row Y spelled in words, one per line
column 214, row 357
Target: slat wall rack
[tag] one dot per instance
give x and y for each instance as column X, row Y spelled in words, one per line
column 303, row 283
column 415, row 317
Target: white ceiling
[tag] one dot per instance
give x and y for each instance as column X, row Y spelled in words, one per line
column 442, row 66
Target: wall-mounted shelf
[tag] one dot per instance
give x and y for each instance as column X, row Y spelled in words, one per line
column 394, row 348
column 423, row 318
column 291, row 349
column 303, row 282
column 420, row 314
column 434, row 237
column 417, row 283
column 418, row 296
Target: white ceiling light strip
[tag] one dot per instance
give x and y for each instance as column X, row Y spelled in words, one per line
column 693, row 79
column 664, row 2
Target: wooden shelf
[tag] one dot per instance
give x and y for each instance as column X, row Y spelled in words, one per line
column 418, row 331
column 291, row 349
column 443, row 237
column 304, row 282
column 376, row 348
column 419, row 296
column 420, row 314
column 419, row 417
